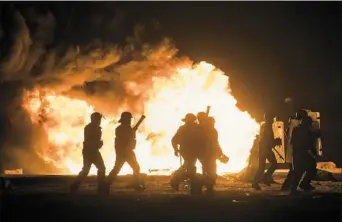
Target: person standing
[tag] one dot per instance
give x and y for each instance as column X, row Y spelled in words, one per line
column 186, row 143
column 293, row 123
column 125, row 142
column 303, row 155
column 91, row 153
column 210, row 155
column 266, row 144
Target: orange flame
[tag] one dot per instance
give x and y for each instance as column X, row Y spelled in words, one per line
column 189, row 89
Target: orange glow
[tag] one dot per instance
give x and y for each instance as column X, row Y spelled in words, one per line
column 189, row 89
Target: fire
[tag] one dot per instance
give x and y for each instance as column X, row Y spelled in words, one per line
column 188, row 89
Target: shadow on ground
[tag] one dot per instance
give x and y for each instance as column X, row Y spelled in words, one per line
column 47, row 199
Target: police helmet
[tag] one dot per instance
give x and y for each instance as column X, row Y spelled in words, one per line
column 307, row 119
column 201, row 115
column 189, row 118
column 211, row 120
column 301, row 114
column 125, row 116
column 95, row 116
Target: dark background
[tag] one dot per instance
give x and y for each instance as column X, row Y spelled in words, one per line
column 270, row 50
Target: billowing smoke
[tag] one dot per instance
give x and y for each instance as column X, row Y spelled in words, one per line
column 52, row 81
column 99, row 72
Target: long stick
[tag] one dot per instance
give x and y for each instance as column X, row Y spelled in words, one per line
column 208, row 110
column 139, row 122
column 281, row 157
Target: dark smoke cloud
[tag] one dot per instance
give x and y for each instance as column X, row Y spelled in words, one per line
column 98, row 71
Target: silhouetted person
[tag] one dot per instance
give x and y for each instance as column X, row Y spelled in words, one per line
column 266, row 144
column 303, row 155
column 205, row 145
column 311, row 171
column 293, row 123
column 212, row 152
column 185, row 143
column 91, row 154
column 125, row 142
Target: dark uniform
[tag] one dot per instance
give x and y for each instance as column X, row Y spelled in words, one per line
column 303, row 155
column 207, row 135
column 266, row 145
column 91, row 154
column 296, row 122
column 125, row 141
column 187, row 138
column 311, row 171
column 212, row 152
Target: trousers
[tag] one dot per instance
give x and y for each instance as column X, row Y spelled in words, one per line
column 260, row 174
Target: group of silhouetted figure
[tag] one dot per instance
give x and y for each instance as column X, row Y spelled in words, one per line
column 197, row 140
column 302, row 137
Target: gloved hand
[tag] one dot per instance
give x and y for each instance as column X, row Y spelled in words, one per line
column 277, row 142
column 223, row 159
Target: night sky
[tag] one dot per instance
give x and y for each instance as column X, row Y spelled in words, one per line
column 270, row 50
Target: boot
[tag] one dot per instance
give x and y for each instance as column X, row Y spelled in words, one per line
column 138, row 186
column 196, row 185
column 210, row 190
column 268, row 181
column 307, row 187
column 176, row 178
column 271, row 181
column 256, row 186
column 174, row 186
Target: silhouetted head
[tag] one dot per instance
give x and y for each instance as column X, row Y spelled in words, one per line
column 189, row 118
column 126, row 117
column 300, row 114
column 268, row 117
column 96, row 118
column 307, row 121
column 202, row 117
column 211, row 121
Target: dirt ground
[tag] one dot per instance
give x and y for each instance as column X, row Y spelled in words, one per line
column 46, row 198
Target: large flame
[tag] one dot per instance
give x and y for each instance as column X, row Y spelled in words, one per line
column 189, row 89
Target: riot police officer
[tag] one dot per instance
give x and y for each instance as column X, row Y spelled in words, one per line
column 185, row 143
column 209, row 156
column 266, row 144
column 91, row 154
column 125, row 142
column 293, row 123
column 303, row 155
